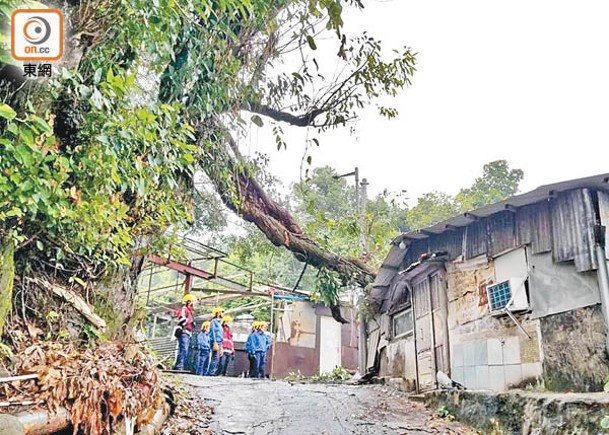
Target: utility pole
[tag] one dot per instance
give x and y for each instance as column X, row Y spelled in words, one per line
column 361, row 199
column 362, row 214
column 355, row 173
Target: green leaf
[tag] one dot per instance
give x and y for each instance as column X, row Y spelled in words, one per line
column 27, row 136
column 7, row 112
column 605, row 422
column 39, row 245
column 98, row 75
column 311, row 42
column 78, row 281
column 309, row 159
column 97, row 99
column 257, row 120
column 14, row 212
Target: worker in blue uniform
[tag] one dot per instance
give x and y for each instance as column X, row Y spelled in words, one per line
column 217, row 336
column 204, row 344
column 259, row 348
column 264, row 326
column 250, row 350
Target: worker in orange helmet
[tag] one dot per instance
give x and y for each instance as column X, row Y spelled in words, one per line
column 184, row 330
column 217, row 337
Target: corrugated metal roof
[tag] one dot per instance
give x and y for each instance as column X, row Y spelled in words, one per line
column 600, row 182
column 521, row 219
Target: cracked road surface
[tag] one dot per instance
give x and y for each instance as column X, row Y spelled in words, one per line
column 250, row 406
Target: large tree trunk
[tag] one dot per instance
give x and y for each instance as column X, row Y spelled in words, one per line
column 115, row 297
column 243, row 195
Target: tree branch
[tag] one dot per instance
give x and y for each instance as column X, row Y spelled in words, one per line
column 304, row 120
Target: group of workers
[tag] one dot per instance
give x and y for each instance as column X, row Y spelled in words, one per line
column 257, row 345
column 210, row 350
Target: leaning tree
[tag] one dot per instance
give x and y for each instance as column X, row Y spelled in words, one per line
column 98, row 162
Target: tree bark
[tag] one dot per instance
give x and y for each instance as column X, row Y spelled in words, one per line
column 243, row 195
column 7, row 275
column 114, row 299
column 304, row 120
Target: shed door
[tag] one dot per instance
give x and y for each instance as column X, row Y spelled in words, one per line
column 424, row 338
column 439, row 309
column 431, row 308
column 330, row 345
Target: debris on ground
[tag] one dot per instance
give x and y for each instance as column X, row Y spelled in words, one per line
column 191, row 416
column 101, row 386
column 338, row 375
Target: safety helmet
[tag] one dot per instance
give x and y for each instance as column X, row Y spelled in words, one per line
column 206, row 324
column 188, row 298
column 227, row 319
column 216, row 311
column 255, row 324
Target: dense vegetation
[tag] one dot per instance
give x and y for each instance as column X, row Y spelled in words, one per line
column 99, row 162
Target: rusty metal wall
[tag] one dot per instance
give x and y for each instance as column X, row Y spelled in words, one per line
column 573, row 219
column 414, row 251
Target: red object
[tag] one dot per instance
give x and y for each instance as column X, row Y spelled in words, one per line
column 188, row 313
column 180, row 267
column 227, row 342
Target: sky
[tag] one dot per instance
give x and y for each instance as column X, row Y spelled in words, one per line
column 524, row 81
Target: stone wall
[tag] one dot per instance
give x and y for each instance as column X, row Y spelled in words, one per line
column 523, row 412
column 574, row 352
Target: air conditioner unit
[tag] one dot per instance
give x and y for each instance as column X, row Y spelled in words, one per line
column 510, row 295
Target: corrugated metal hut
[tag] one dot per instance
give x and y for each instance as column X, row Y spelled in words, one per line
column 499, row 297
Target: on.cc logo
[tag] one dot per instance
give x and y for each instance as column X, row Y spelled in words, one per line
column 37, row 34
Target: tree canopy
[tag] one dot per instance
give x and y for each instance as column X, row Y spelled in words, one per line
column 99, row 162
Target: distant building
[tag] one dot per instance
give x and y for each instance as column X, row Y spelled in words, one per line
column 505, row 295
column 311, row 342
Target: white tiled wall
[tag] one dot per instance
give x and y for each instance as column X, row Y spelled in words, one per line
column 492, row 364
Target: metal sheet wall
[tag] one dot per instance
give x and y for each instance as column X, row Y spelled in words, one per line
column 573, row 219
column 555, row 287
column 416, row 248
column 475, row 239
column 533, row 227
column 563, row 225
column 501, row 234
column 449, row 241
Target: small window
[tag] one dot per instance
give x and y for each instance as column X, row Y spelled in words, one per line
column 500, row 294
column 402, row 323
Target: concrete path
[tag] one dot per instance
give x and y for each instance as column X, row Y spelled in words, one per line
column 248, row 406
